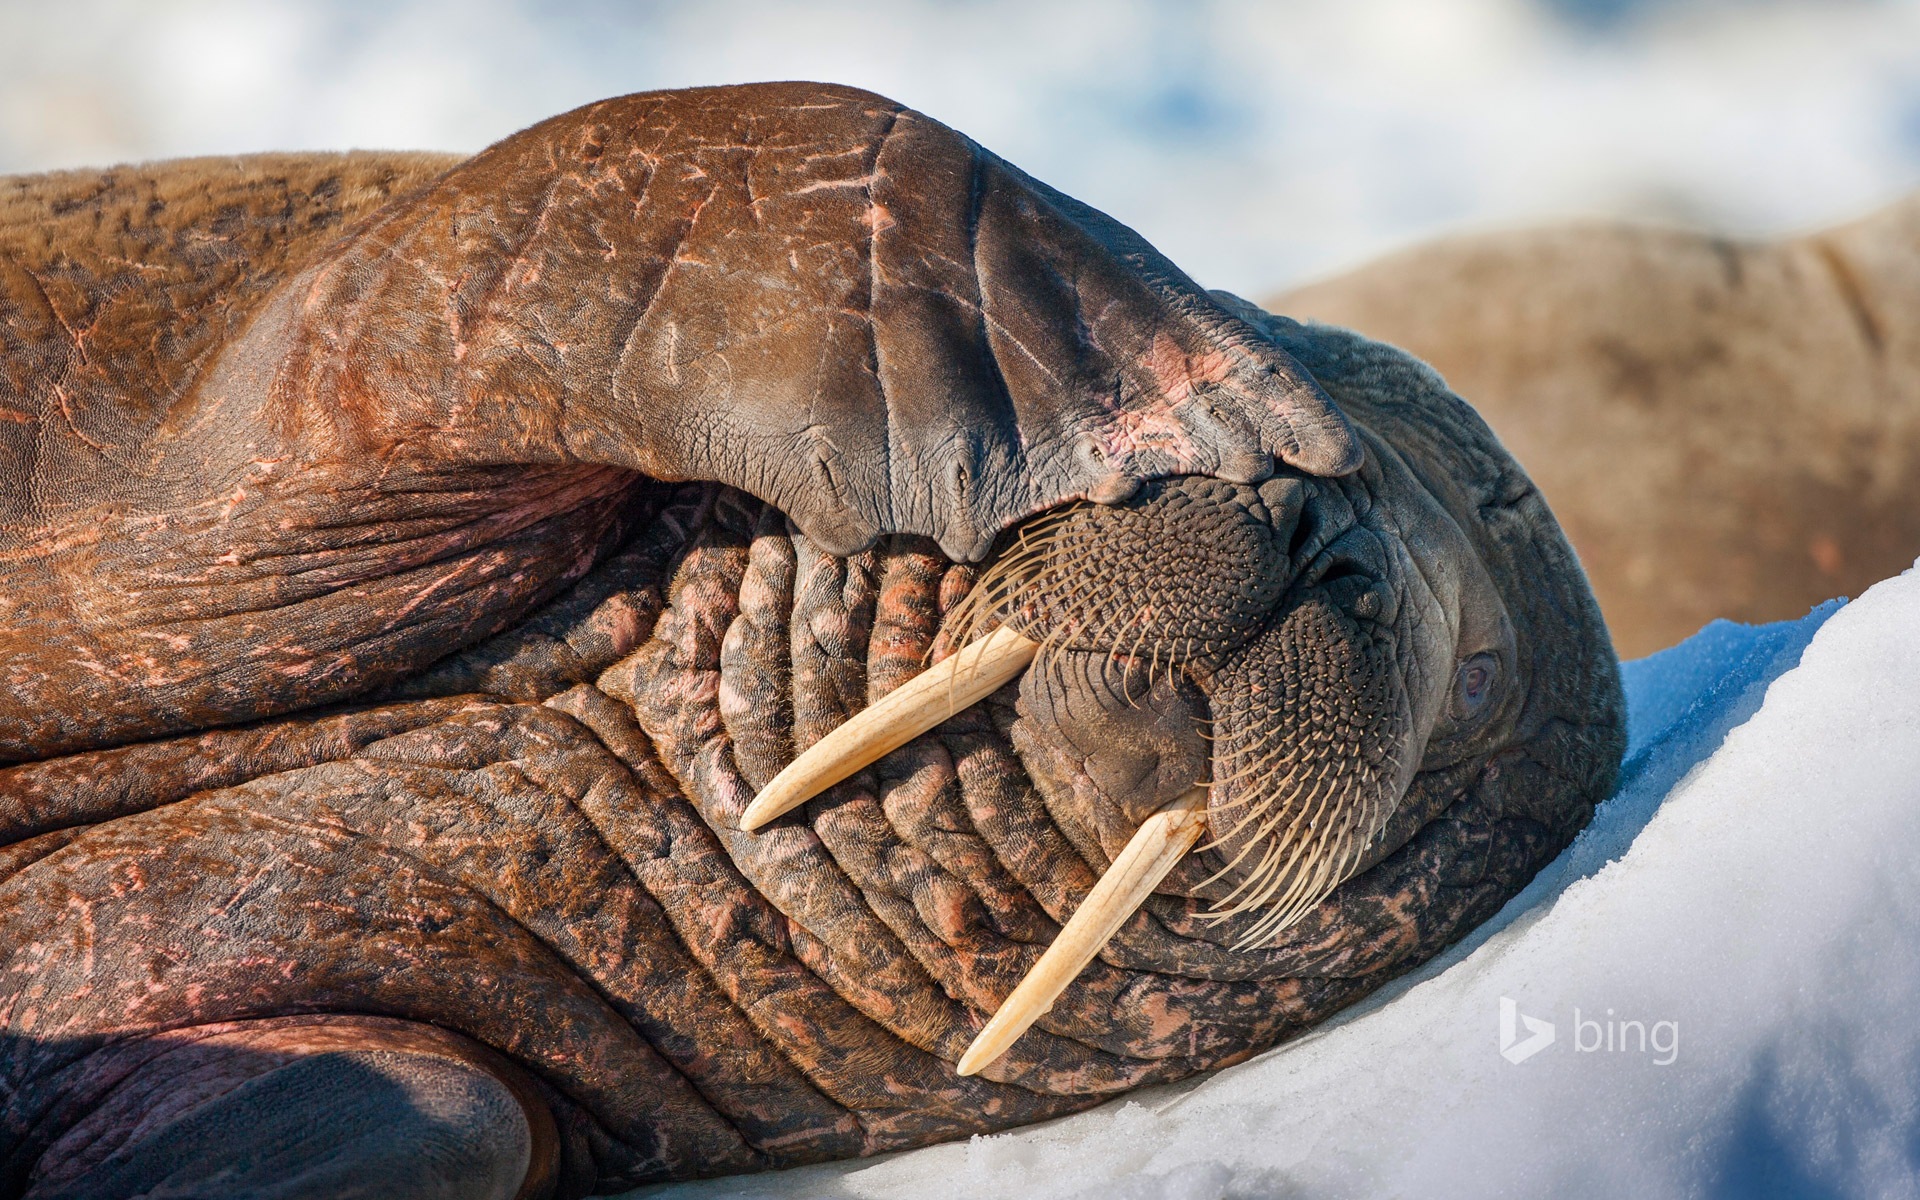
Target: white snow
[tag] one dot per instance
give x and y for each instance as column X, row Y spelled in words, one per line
column 1751, row 896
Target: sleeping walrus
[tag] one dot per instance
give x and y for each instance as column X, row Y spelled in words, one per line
column 418, row 579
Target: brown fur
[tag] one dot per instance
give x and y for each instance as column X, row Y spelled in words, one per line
column 1725, row 428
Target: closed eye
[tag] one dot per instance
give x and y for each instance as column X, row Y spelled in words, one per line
column 1475, row 683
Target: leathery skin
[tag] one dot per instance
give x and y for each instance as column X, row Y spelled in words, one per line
column 395, row 620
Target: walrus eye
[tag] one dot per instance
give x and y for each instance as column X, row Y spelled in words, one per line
column 1473, row 686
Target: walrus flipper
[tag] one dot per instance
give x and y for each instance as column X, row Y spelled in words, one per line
column 808, row 292
column 383, row 1119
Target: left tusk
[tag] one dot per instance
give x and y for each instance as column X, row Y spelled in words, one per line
column 1160, row 842
column 972, row 674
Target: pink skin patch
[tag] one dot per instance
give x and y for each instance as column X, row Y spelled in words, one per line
column 1157, row 428
column 1177, row 373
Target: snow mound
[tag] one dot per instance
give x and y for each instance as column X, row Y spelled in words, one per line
column 1712, row 992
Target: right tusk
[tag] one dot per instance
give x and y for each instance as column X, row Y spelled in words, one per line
column 1160, row 842
column 972, row 674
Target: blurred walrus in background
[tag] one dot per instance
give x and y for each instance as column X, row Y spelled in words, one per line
column 1725, row 428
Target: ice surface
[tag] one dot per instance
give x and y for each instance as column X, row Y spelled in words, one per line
column 1754, row 885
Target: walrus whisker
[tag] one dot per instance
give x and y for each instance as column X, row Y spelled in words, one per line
column 1188, row 650
column 1299, row 870
column 1268, row 851
column 1260, row 764
column 1296, row 871
column 1142, row 627
column 1265, row 755
column 1311, row 886
column 1160, row 842
column 968, row 676
column 1307, row 813
column 1311, row 882
column 1025, row 563
column 1260, row 805
column 1289, row 890
column 1315, row 866
column 1258, row 839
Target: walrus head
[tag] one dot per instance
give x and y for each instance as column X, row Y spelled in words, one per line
column 1376, row 679
column 1308, row 647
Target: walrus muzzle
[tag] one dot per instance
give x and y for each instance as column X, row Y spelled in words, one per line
column 1182, row 674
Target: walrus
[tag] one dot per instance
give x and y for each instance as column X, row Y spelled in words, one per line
column 1726, row 427
column 434, row 597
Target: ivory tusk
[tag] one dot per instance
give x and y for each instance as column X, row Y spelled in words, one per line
column 969, row 676
column 1160, row 842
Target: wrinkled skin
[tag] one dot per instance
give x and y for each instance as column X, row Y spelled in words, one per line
column 383, row 709
column 812, row 294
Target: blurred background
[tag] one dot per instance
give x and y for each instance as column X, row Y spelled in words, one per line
column 1259, row 144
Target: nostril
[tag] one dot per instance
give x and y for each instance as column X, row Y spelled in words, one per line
column 1303, row 532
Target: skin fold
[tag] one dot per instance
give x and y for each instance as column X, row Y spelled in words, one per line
column 410, row 569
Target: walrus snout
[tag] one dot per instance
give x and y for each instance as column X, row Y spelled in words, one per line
column 1201, row 634
column 1249, row 641
column 1313, row 751
column 1109, row 742
column 1133, row 607
column 1183, row 572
